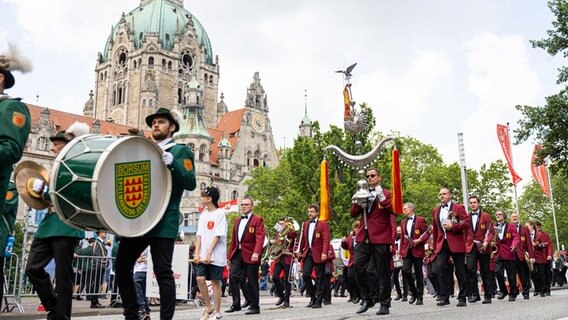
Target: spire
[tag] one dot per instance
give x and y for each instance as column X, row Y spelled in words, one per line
column 305, row 119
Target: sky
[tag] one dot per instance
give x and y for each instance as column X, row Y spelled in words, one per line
column 429, row 69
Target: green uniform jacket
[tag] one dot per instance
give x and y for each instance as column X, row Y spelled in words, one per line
column 183, row 178
column 8, row 214
column 52, row 226
column 15, row 122
column 83, row 262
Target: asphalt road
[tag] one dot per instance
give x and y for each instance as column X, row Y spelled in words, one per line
column 552, row 307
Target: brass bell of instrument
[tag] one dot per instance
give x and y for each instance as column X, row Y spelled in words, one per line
column 362, row 196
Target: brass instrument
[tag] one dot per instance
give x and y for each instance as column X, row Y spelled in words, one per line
column 529, row 262
column 496, row 238
column 281, row 241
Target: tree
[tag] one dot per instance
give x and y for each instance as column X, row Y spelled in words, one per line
column 548, row 123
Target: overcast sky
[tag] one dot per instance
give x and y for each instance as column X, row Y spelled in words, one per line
column 429, row 69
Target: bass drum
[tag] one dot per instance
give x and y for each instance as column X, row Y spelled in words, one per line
column 114, row 184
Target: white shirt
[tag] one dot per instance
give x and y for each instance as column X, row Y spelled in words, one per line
column 242, row 226
column 311, row 229
column 444, row 216
column 474, row 218
column 211, row 225
column 142, row 266
column 164, row 143
column 409, row 222
column 503, row 229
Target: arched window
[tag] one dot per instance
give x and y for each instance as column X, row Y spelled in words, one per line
column 135, row 64
column 151, row 62
column 180, row 95
column 210, row 79
column 164, row 63
column 143, row 102
column 192, row 147
column 202, row 186
column 256, row 161
column 249, row 158
column 234, row 195
column 169, row 65
column 202, row 152
column 150, row 103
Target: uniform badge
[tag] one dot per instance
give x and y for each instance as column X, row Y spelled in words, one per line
column 508, row 235
column 522, row 238
column 318, row 235
column 187, row 165
column 417, row 231
column 132, row 187
column 210, row 225
column 483, row 226
column 18, row 119
column 251, row 230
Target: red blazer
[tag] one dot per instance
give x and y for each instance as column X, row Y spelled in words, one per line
column 510, row 239
column 382, row 227
column 542, row 246
column 288, row 257
column 418, row 231
column 483, row 228
column 320, row 240
column 347, row 244
column 525, row 244
column 457, row 236
column 252, row 240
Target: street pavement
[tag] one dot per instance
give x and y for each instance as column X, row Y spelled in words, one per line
column 553, row 307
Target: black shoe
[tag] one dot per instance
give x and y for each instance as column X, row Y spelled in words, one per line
column 438, row 298
column 327, row 302
column 511, row 298
column 356, row 301
column 548, row 293
column 535, row 294
column 398, row 297
column 501, row 296
column 486, row 301
column 253, row 311
column 412, row 300
column 286, row 304
column 335, row 294
column 542, row 295
column 383, row 310
column 419, row 301
column 526, row 296
column 232, row 309
column 280, row 301
column 312, row 302
column 367, row 304
column 245, row 305
column 404, row 299
column 97, row 306
column 78, row 298
column 350, row 299
column 443, row 302
column 461, row 303
column 316, row 306
column 473, row 299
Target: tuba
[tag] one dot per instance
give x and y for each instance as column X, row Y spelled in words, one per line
column 281, row 241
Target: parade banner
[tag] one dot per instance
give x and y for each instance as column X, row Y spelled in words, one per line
column 503, row 136
column 539, row 172
column 396, row 182
column 181, row 273
column 346, row 103
column 226, row 206
column 325, row 207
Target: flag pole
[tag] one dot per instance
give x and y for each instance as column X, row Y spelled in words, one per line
column 553, row 210
column 514, row 185
column 463, row 170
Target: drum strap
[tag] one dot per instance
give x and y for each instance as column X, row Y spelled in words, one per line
column 169, row 145
column 10, row 231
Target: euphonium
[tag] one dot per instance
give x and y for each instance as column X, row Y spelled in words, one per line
column 281, row 241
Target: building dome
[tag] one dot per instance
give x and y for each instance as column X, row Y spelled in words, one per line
column 164, row 18
column 224, row 143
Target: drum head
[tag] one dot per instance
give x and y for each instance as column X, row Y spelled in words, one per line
column 132, row 186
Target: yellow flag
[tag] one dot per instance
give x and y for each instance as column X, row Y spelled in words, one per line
column 325, row 207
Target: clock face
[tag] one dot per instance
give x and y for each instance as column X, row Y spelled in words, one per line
column 258, row 123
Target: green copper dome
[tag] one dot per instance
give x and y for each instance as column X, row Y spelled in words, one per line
column 164, row 18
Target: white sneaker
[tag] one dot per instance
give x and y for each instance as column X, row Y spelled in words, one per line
column 215, row 316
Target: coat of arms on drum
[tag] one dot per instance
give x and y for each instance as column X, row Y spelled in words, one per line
column 132, row 187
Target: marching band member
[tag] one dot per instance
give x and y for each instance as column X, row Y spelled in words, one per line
column 375, row 239
column 54, row 239
column 478, row 249
column 348, row 243
column 314, row 246
column 508, row 241
column 525, row 246
column 543, row 256
column 161, row 239
column 245, row 256
column 401, row 295
column 283, row 263
column 414, row 236
column 15, row 120
column 450, row 225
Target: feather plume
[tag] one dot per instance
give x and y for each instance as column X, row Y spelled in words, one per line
column 177, row 115
column 77, row 129
column 13, row 60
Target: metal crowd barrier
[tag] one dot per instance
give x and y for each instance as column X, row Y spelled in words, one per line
column 11, row 276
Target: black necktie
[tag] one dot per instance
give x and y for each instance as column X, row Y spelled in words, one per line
column 474, row 213
column 312, row 221
column 371, row 189
column 244, row 217
column 445, row 205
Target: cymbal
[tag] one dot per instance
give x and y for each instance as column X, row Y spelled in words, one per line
column 24, row 184
column 32, row 165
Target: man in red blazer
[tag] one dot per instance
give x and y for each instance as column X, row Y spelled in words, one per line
column 525, row 246
column 414, row 235
column 348, row 243
column 314, row 245
column 478, row 251
column 244, row 256
column 450, row 225
column 375, row 240
column 508, row 241
column 543, row 257
column 283, row 263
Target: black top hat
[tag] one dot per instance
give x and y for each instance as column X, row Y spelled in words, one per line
column 162, row 112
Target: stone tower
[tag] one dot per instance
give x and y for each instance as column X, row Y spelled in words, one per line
column 306, row 123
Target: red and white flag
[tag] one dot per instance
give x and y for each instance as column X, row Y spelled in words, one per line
column 539, row 172
column 503, row 136
column 227, row 206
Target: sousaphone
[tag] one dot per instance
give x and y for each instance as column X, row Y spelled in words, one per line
column 25, row 174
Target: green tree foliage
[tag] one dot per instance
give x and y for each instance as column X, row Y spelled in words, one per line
column 549, row 123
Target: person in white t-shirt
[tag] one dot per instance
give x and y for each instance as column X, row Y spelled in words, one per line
column 211, row 251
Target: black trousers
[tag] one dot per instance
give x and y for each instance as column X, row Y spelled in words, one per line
column 524, row 276
column 315, row 292
column 547, row 276
column 539, row 278
column 352, row 284
column 238, row 273
column 379, row 255
column 94, row 280
column 283, row 287
column 433, row 278
column 410, row 262
column 162, row 251
column 471, row 260
column 445, row 275
column 57, row 301
column 396, row 281
column 326, row 287
column 511, row 267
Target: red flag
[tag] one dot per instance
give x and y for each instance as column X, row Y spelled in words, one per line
column 503, row 136
column 325, row 207
column 539, row 172
column 396, row 182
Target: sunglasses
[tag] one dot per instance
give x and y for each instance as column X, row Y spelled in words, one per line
column 371, row 175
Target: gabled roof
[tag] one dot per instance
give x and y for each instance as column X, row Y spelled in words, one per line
column 230, row 123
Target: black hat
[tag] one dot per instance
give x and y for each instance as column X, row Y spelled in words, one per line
column 59, row 136
column 212, row 192
column 166, row 113
column 9, row 80
column 12, row 60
